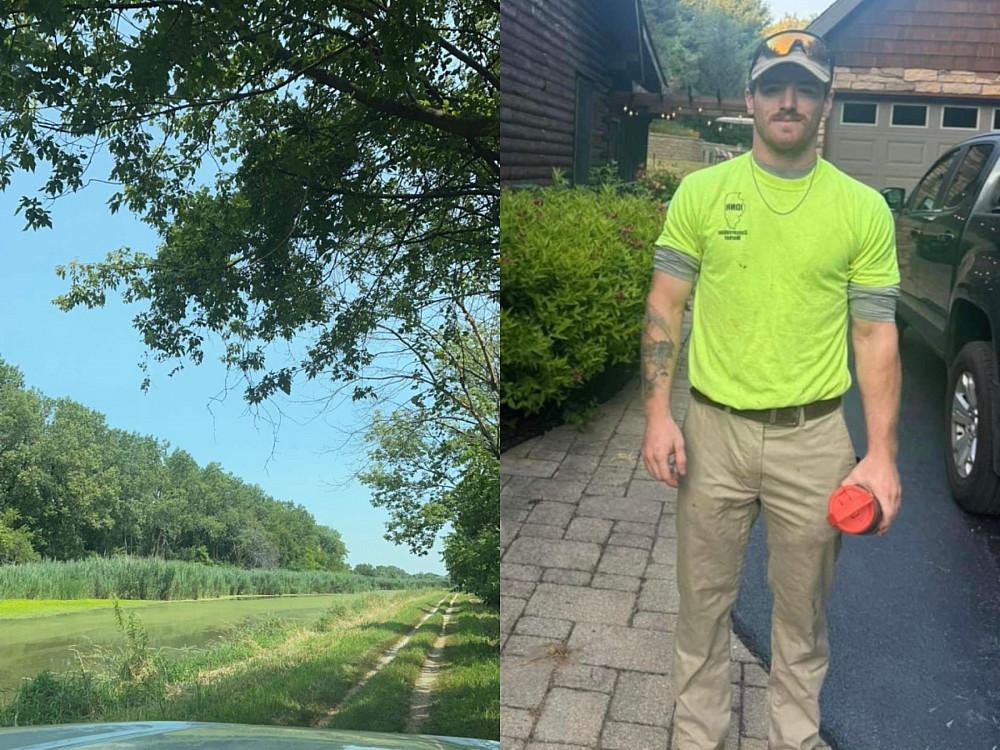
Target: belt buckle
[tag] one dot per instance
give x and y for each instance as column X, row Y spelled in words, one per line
column 796, row 416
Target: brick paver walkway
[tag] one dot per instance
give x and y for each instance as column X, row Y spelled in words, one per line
column 589, row 592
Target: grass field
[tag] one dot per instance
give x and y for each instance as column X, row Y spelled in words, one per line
column 295, row 679
column 36, row 640
column 276, row 673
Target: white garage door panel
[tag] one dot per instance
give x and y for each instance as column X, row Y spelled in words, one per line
column 882, row 155
column 857, row 149
column 906, row 154
column 942, row 147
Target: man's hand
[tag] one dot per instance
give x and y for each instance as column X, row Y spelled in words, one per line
column 880, row 477
column 663, row 450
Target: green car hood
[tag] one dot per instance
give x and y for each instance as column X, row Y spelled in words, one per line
column 188, row 735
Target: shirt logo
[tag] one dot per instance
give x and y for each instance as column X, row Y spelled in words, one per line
column 733, row 208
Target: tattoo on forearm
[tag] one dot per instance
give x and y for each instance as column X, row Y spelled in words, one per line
column 657, row 352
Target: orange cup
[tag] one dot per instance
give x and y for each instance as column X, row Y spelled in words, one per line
column 854, row 510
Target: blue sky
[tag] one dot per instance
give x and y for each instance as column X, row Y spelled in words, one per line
column 781, row 8
column 91, row 356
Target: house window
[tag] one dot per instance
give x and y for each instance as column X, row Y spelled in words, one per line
column 960, row 117
column 996, row 119
column 582, row 130
column 859, row 113
column 909, row 115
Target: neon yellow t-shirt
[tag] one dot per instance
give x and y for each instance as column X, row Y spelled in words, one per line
column 770, row 313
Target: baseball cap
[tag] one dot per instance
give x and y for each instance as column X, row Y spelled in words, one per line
column 798, row 47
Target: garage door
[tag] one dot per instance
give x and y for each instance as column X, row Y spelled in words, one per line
column 890, row 142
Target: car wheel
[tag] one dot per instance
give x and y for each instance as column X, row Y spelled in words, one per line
column 969, row 422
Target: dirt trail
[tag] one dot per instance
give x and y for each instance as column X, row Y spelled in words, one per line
column 423, row 691
column 386, row 658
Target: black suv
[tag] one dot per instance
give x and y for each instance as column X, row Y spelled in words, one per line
column 948, row 243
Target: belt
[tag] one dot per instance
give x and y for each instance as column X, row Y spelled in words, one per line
column 785, row 415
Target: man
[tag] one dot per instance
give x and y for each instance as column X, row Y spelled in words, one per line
column 786, row 249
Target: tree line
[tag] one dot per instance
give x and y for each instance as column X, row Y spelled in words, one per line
column 705, row 45
column 71, row 486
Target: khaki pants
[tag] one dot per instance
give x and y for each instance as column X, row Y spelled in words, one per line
column 736, row 466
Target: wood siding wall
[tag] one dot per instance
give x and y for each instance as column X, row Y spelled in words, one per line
column 543, row 45
column 929, row 34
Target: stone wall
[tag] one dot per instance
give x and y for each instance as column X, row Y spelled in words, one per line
column 916, row 80
column 664, row 147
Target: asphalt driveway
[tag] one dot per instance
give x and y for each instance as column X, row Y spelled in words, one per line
column 915, row 615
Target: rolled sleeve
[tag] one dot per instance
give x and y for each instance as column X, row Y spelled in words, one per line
column 675, row 263
column 873, row 303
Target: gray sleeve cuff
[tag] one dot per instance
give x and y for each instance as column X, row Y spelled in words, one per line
column 873, row 303
column 675, row 263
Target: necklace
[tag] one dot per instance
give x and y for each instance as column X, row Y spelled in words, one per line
column 753, row 173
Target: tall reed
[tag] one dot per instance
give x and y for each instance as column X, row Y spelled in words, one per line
column 154, row 578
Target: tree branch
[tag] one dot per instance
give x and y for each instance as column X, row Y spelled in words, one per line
column 485, row 72
column 468, row 127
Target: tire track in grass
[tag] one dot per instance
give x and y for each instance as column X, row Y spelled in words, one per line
column 294, row 636
column 291, row 686
column 385, row 659
column 423, row 690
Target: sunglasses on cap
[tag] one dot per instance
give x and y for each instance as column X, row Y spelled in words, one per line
column 785, row 43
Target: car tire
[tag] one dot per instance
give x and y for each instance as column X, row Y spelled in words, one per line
column 975, row 487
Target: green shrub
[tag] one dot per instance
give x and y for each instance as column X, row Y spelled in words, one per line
column 15, row 543
column 659, row 184
column 575, row 266
column 57, row 698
